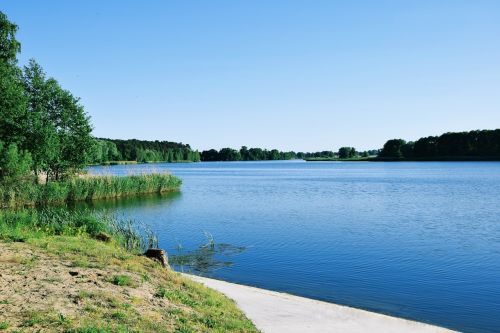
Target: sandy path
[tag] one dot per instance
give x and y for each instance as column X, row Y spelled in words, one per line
column 274, row 312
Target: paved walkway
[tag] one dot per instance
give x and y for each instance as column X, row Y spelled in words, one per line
column 274, row 312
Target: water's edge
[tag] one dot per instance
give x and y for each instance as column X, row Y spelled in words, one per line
column 275, row 312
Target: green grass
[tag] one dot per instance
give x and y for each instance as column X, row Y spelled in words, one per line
column 29, row 193
column 32, row 225
column 122, row 280
column 4, row 326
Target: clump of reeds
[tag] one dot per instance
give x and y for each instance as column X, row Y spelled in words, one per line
column 85, row 188
column 24, row 224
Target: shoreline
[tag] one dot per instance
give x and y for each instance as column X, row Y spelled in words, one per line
column 276, row 312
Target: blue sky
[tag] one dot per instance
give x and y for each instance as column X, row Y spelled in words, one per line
column 301, row 75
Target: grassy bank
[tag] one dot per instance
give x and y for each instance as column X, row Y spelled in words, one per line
column 24, row 193
column 73, row 282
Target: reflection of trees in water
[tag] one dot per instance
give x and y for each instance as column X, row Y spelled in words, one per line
column 146, row 200
column 206, row 258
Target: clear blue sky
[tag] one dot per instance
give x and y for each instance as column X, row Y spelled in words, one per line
column 301, row 75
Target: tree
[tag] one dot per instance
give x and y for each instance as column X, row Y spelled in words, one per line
column 40, row 131
column 210, row 155
column 58, row 130
column 229, row 154
column 12, row 99
column 347, row 152
column 14, row 164
column 9, row 46
column 256, row 154
column 392, row 148
column 426, row 147
column 13, row 114
column 407, row 149
column 245, row 154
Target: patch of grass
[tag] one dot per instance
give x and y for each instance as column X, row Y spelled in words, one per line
column 145, row 277
column 91, row 329
column 177, row 296
column 31, row 322
column 30, row 262
column 4, row 325
column 122, row 280
column 46, row 318
column 5, row 301
column 118, row 315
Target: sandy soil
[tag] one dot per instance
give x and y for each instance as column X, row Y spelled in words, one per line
column 34, row 284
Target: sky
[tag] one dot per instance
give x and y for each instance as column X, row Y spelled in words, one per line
column 292, row 75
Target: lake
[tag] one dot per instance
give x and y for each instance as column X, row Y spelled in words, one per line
column 419, row 240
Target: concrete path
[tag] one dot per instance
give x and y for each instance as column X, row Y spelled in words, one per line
column 274, row 312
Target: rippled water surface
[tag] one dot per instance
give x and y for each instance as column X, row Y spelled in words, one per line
column 415, row 240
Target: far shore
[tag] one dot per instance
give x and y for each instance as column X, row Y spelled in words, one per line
column 423, row 159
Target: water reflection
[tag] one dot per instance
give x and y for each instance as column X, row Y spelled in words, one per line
column 144, row 201
column 207, row 258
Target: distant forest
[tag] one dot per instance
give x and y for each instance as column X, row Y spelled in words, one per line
column 114, row 150
column 473, row 145
column 258, row 154
column 143, row 151
column 245, row 154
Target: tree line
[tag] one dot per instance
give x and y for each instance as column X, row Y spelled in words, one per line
column 478, row 144
column 342, row 153
column 143, row 151
column 245, row 154
column 258, row 154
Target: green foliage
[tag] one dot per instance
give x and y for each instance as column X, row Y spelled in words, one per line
column 25, row 224
column 22, row 224
column 393, row 148
column 14, row 164
column 105, row 151
column 9, row 46
column 89, row 188
column 122, row 280
column 478, row 145
column 347, row 152
column 108, row 151
column 245, row 154
column 59, row 131
column 13, row 107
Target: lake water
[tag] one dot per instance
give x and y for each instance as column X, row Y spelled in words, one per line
column 413, row 240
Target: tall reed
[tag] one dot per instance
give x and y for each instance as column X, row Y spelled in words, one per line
column 23, row 224
column 87, row 188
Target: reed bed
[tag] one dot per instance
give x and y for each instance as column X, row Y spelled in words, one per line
column 85, row 189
